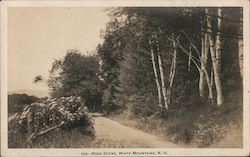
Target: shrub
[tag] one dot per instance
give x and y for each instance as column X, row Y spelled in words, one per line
column 207, row 134
column 69, row 112
column 140, row 106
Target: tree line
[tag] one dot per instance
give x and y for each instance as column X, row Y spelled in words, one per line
column 174, row 48
column 156, row 57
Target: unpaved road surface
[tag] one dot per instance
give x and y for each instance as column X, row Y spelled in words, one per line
column 111, row 134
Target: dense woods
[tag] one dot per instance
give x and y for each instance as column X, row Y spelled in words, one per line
column 174, row 63
column 198, row 36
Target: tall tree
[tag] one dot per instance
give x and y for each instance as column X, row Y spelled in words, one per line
column 215, row 55
column 77, row 74
column 156, row 74
column 163, row 86
column 172, row 71
column 204, row 57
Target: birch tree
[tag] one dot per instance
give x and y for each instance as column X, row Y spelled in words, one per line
column 172, row 72
column 218, row 40
column 155, row 73
column 201, row 64
column 215, row 54
column 204, row 53
column 164, row 92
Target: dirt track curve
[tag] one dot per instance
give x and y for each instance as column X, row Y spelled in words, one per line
column 111, row 134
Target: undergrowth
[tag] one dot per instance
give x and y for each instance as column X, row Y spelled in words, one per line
column 75, row 138
column 197, row 124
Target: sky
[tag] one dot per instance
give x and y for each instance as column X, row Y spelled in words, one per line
column 37, row 35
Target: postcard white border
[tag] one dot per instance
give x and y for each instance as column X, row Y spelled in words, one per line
column 112, row 3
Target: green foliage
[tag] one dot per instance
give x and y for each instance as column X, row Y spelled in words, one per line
column 137, row 102
column 17, row 102
column 110, row 53
column 70, row 112
column 207, row 134
column 126, row 67
column 78, row 75
column 193, row 124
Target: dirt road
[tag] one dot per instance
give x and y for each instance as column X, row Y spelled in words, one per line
column 111, row 134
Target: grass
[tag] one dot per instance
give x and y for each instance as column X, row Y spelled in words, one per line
column 232, row 139
column 54, row 139
column 62, row 139
column 198, row 125
column 152, row 126
column 124, row 119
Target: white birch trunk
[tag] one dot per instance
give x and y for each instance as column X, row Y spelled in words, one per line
column 218, row 40
column 156, row 74
column 202, row 79
column 209, row 84
column 162, row 77
column 172, row 72
column 203, row 58
column 173, row 67
column 216, row 68
column 210, row 87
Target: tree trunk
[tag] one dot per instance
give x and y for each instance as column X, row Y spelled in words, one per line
column 215, row 63
column 218, row 40
column 240, row 46
column 210, row 86
column 162, row 76
column 172, row 72
column 199, row 69
column 211, row 82
column 204, row 53
column 202, row 79
column 155, row 73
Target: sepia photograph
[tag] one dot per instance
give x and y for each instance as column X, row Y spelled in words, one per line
column 124, row 80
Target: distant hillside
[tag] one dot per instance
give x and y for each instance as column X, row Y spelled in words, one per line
column 37, row 93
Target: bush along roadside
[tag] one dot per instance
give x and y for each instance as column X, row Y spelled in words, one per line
column 39, row 118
